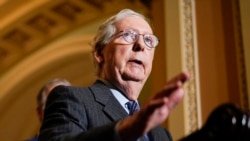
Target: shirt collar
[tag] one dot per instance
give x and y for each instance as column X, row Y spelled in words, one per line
column 117, row 94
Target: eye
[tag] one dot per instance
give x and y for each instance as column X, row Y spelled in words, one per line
column 130, row 36
column 148, row 39
column 126, row 34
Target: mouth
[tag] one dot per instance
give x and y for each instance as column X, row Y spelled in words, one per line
column 138, row 62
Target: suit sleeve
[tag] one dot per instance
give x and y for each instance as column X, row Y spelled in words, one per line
column 65, row 119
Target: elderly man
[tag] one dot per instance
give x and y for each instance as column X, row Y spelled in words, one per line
column 123, row 50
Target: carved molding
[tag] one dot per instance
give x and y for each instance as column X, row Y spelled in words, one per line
column 191, row 101
column 240, row 55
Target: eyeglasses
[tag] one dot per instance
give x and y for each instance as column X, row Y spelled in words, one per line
column 132, row 36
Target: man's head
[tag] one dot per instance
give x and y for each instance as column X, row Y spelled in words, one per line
column 44, row 92
column 124, row 48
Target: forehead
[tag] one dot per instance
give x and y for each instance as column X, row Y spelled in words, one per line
column 134, row 22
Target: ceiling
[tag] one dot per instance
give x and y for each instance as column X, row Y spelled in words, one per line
column 28, row 25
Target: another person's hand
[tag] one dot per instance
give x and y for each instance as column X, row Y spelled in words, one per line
column 155, row 111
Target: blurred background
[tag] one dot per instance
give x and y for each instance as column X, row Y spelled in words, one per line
column 44, row 39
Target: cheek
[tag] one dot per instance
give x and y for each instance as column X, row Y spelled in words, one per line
column 151, row 54
column 121, row 54
column 114, row 57
column 120, row 60
column 150, row 61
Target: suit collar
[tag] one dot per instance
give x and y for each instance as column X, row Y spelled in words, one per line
column 111, row 106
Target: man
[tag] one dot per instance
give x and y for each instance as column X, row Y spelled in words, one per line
column 123, row 50
column 42, row 98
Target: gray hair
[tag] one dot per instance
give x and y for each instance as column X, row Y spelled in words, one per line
column 107, row 30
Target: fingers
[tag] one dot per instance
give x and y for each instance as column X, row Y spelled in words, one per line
column 173, row 84
column 173, row 90
column 175, row 98
column 182, row 77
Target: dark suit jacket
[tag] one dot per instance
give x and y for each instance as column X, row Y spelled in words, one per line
column 86, row 114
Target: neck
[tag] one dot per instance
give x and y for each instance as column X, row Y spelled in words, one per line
column 131, row 89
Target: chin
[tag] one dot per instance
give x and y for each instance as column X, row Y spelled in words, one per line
column 134, row 77
column 139, row 77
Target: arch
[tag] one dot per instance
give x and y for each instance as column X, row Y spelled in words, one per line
column 64, row 58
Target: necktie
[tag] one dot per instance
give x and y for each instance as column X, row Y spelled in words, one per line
column 133, row 107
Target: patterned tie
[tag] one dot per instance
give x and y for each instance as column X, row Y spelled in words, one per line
column 133, row 107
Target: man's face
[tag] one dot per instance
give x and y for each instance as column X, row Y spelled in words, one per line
column 123, row 61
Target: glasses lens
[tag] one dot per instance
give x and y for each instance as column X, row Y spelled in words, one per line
column 130, row 36
column 150, row 40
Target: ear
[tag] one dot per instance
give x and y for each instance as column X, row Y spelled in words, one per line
column 98, row 57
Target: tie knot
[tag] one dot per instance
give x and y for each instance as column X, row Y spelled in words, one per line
column 132, row 106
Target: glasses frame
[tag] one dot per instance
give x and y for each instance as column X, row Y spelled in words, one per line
column 131, row 31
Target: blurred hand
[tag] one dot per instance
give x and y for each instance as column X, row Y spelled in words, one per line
column 155, row 111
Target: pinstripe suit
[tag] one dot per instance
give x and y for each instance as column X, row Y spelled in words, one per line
column 86, row 114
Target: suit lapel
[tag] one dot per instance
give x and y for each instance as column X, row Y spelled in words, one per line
column 111, row 106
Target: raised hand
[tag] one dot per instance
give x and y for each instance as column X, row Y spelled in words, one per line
column 155, row 111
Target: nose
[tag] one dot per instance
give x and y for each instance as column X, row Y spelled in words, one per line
column 139, row 45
